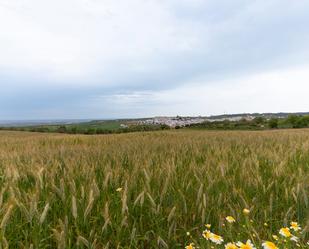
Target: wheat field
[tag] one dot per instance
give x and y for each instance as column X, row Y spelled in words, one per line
column 152, row 190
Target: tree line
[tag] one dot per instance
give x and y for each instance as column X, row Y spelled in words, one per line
column 69, row 129
column 258, row 123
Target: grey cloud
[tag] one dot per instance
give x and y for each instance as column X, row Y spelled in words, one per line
column 208, row 40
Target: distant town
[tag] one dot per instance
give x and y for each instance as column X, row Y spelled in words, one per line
column 185, row 121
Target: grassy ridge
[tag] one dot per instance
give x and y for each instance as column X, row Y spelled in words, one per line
column 90, row 128
column 147, row 190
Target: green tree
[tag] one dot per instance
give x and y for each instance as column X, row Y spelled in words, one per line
column 259, row 120
column 301, row 122
column 62, row 129
column 273, row 123
column 292, row 120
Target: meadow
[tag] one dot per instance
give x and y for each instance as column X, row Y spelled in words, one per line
column 154, row 189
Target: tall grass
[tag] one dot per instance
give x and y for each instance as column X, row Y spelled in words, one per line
column 147, row 190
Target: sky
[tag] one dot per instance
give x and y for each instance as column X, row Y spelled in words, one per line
column 101, row 59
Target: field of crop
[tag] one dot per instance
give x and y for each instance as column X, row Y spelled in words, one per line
column 154, row 190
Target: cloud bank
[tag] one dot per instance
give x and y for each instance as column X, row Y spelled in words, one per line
column 103, row 59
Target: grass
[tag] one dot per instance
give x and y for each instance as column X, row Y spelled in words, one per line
column 148, row 190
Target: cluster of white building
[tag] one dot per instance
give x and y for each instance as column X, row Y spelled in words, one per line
column 173, row 121
column 184, row 121
column 232, row 119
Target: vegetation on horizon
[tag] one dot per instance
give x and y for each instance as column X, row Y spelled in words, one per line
column 258, row 123
column 90, row 128
column 151, row 190
column 127, row 126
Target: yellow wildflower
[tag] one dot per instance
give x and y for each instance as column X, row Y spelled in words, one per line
column 248, row 245
column 216, row 239
column 285, row 232
column 208, row 226
column 207, row 234
column 246, row 211
column 191, row 246
column 269, row 245
column 275, row 237
column 295, row 226
column 119, row 189
column 230, row 246
column 230, row 219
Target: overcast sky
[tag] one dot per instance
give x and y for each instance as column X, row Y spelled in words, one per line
column 137, row 58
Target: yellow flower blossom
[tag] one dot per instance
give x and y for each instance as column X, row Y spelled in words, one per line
column 207, row 234
column 230, row 219
column 269, row 245
column 119, row 189
column 216, row 239
column 248, row 245
column 295, row 226
column 230, row 246
column 246, row 211
column 208, row 226
column 285, row 232
column 275, row 237
column 191, row 246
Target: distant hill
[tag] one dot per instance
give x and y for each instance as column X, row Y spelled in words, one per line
column 23, row 123
column 265, row 115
